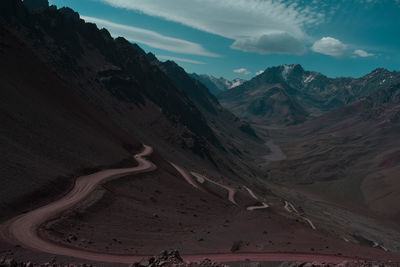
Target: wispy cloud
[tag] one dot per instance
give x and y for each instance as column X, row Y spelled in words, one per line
column 263, row 27
column 151, row 38
column 362, row 53
column 180, row 59
column 242, row 71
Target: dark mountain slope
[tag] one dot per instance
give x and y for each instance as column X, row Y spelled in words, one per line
column 135, row 79
column 85, row 95
column 205, row 101
column 193, row 88
column 233, row 134
column 99, row 65
column 48, row 131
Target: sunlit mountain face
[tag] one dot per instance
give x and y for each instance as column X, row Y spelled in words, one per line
column 188, row 133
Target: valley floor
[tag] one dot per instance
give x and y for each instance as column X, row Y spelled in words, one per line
column 122, row 220
column 331, row 204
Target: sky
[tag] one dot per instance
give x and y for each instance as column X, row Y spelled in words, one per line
column 241, row 38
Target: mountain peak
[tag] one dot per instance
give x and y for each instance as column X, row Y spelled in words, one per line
column 70, row 13
column 380, row 73
column 124, row 44
column 172, row 65
column 151, row 57
column 292, row 66
column 380, row 70
column 288, row 70
column 285, row 71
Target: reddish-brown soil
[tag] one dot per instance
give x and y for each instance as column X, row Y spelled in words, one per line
column 146, row 213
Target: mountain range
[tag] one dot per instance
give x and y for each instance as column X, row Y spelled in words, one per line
column 109, row 154
column 288, row 94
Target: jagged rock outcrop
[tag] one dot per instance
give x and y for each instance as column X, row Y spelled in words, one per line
column 173, row 259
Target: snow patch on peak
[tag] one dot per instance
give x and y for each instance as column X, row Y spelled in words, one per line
column 236, row 83
column 286, row 70
column 309, row 78
column 227, row 84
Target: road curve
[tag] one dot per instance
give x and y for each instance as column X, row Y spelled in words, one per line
column 291, row 209
column 263, row 206
column 231, row 191
column 251, row 193
column 186, row 175
column 23, row 229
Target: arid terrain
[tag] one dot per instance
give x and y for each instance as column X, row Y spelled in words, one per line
column 202, row 218
column 110, row 155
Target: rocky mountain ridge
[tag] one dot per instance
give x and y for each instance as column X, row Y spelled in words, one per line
column 288, row 94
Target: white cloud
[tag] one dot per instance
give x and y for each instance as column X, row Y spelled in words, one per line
column 362, row 53
column 151, row 38
column 254, row 25
column 329, row 46
column 242, row 71
column 180, row 59
column 259, row 72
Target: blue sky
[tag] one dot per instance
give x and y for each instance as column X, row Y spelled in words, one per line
column 240, row 38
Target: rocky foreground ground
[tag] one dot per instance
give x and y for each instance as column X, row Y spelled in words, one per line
column 173, row 259
column 343, row 264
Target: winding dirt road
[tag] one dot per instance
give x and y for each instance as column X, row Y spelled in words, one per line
column 291, row 209
column 186, row 175
column 231, row 191
column 23, row 229
column 251, row 193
